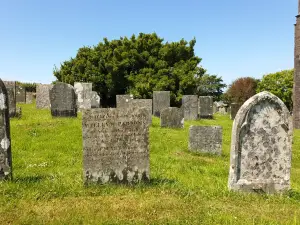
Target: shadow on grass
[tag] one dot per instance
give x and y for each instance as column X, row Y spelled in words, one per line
column 30, row 179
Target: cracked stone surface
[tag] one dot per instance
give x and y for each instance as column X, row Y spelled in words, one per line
column 260, row 158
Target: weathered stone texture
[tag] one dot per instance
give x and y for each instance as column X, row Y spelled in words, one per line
column 115, row 145
column 206, row 107
column 234, row 108
column 172, row 117
column 161, row 100
column 20, row 94
column 190, row 107
column 84, row 95
column 5, row 141
column 63, row 100
column 11, row 101
column 123, row 100
column 42, row 96
column 205, row 139
column 29, row 97
column 260, row 158
column 95, row 100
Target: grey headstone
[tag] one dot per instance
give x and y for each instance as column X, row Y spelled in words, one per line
column 190, row 107
column 11, row 101
column 260, row 157
column 95, row 100
column 172, row 117
column 63, row 100
column 84, row 95
column 206, row 107
column 115, row 145
column 5, row 141
column 206, row 139
column 20, row 94
column 234, row 108
column 42, row 96
column 123, row 100
column 161, row 100
column 29, row 97
column 142, row 103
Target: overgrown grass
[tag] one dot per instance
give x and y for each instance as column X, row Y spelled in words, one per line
column 185, row 187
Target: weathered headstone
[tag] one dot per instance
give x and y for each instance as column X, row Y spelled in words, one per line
column 11, row 101
column 161, row 100
column 20, row 94
column 123, row 100
column 42, row 96
column 84, row 95
column 190, row 107
column 234, row 108
column 206, row 107
column 5, row 146
column 260, row 157
column 115, row 145
column 172, row 117
column 205, row 139
column 29, row 97
column 63, row 100
column 95, row 100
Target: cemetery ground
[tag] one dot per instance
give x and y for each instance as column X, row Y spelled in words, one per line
column 185, row 187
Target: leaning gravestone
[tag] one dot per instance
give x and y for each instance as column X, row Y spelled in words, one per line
column 5, row 147
column 234, row 108
column 161, row 100
column 123, row 100
column 42, row 96
column 95, row 100
column 205, row 139
column 20, row 94
column 172, row 117
column 206, row 107
column 260, row 157
column 11, row 101
column 190, row 107
column 115, row 145
column 29, row 97
column 84, row 95
column 63, row 100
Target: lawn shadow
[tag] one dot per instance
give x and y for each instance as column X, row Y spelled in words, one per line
column 30, row 179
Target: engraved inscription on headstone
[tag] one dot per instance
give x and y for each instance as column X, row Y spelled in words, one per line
column 84, row 95
column 63, row 100
column 161, row 100
column 206, row 107
column 95, row 100
column 260, row 157
column 5, row 146
column 42, row 96
column 115, row 145
column 172, row 117
column 190, row 106
column 206, row 139
column 20, row 94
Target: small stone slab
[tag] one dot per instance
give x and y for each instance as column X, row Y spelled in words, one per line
column 261, row 146
column 206, row 139
column 95, row 100
column 161, row 100
column 42, row 96
column 206, row 107
column 63, row 100
column 29, row 97
column 172, row 117
column 190, row 107
column 20, row 94
column 84, row 95
column 115, row 145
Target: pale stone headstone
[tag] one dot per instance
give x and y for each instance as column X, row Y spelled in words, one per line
column 260, row 157
column 84, row 95
column 206, row 107
column 29, row 97
column 161, row 100
column 42, row 96
column 172, row 117
column 5, row 141
column 115, row 145
column 190, row 107
column 95, row 100
column 20, row 94
column 63, row 100
column 234, row 108
column 11, row 101
column 123, row 100
column 205, row 139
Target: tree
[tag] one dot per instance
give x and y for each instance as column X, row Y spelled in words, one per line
column 137, row 65
column 241, row 90
column 279, row 84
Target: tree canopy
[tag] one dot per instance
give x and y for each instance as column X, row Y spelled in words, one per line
column 140, row 65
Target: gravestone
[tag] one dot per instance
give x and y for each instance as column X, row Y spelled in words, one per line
column 123, row 100
column 11, row 101
column 84, row 95
column 20, row 94
column 172, row 117
column 190, row 107
column 63, row 100
column 161, row 100
column 260, row 157
column 234, row 108
column 42, row 96
column 115, row 145
column 95, row 100
column 206, row 107
column 29, row 97
column 5, row 146
column 205, row 139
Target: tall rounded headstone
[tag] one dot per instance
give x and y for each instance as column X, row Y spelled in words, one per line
column 260, row 157
column 63, row 100
column 161, row 100
column 5, row 147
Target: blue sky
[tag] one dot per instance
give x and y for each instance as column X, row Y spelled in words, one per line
column 235, row 38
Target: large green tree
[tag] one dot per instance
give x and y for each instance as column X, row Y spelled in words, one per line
column 137, row 65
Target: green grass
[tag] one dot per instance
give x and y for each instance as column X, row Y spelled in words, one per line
column 185, row 187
